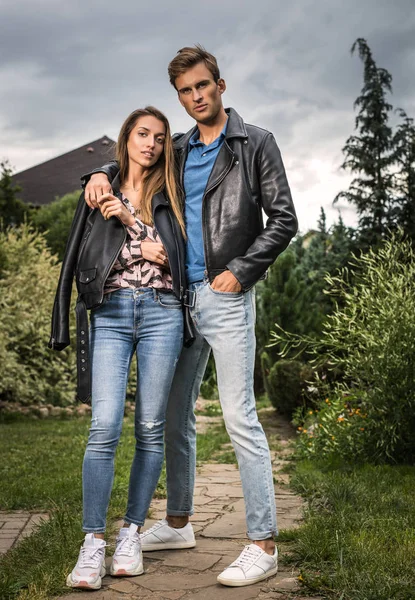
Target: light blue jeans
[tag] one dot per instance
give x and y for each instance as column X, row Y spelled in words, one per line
column 150, row 323
column 225, row 323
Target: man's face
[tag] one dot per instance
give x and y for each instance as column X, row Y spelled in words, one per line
column 199, row 94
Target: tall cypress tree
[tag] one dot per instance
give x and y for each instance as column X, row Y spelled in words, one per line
column 404, row 154
column 368, row 153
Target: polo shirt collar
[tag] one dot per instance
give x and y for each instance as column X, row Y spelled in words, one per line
column 195, row 141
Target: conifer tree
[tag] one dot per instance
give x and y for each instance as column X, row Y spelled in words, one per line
column 368, row 153
column 404, row 154
column 12, row 210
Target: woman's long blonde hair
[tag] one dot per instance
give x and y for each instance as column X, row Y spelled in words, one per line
column 160, row 176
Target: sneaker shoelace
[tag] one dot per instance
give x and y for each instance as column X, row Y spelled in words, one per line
column 126, row 545
column 247, row 557
column 91, row 557
column 153, row 528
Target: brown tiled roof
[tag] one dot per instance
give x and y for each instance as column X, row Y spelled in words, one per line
column 61, row 175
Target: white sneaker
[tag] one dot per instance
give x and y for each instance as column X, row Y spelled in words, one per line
column 90, row 567
column 163, row 537
column 252, row 565
column 128, row 558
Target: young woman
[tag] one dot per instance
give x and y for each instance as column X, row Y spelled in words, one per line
column 128, row 258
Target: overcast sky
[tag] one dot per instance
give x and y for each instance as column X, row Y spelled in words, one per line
column 71, row 72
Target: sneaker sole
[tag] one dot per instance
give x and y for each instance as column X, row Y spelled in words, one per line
column 85, row 585
column 243, row 582
column 167, row 546
column 124, row 573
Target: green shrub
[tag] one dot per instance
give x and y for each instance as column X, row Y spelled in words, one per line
column 31, row 373
column 12, row 210
column 370, row 338
column 55, row 220
column 285, row 383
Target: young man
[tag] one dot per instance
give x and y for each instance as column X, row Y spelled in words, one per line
column 230, row 173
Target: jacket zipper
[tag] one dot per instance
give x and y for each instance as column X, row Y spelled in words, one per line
column 82, row 246
column 203, row 202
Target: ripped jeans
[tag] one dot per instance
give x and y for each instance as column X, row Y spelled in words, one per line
column 149, row 322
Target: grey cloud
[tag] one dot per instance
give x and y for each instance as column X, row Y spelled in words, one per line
column 75, row 70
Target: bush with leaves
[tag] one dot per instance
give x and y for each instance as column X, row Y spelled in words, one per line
column 12, row 210
column 370, row 339
column 285, row 383
column 55, row 220
column 31, row 373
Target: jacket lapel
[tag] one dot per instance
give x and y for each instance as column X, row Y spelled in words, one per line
column 226, row 156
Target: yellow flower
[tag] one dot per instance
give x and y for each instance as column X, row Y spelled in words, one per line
column 333, row 437
column 327, row 401
column 340, row 419
column 362, row 429
column 299, row 428
column 304, row 430
column 310, row 412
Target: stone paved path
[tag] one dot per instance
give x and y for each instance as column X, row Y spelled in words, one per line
column 16, row 525
column 219, row 523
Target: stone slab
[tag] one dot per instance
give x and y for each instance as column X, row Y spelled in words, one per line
column 231, row 525
column 14, row 524
column 15, row 514
column 218, row 468
column 202, row 516
column 95, row 595
column 196, row 561
column 220, row 592
column 6, row 544
column 202, row 500
column 216, row 546
column 283, row 582
column 225, row 490
column 124, row 586
column 177, row 581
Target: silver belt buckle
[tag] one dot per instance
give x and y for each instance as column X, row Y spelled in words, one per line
column 189, row 298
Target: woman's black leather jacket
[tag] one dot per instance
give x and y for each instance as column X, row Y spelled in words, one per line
column 93, row 246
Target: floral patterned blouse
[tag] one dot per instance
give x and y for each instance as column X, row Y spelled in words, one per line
column 131, row 270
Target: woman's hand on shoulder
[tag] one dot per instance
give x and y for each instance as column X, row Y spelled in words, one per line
column 111, row 206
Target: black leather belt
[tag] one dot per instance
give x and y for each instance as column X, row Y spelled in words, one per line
column 83, row 363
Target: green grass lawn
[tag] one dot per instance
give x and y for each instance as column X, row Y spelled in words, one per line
column 358, row 540
column 41, row 470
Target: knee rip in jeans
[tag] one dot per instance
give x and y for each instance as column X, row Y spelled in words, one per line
column 151, row 424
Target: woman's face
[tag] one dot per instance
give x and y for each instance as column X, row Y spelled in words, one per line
column 146, row 141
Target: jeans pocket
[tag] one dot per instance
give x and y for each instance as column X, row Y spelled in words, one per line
column 168, row 300
column 230, row 294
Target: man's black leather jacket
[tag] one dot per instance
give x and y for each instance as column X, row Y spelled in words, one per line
column 91, row 250
column 248, row 177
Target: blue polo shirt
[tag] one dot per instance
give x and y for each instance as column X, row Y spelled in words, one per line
column 199, row 164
